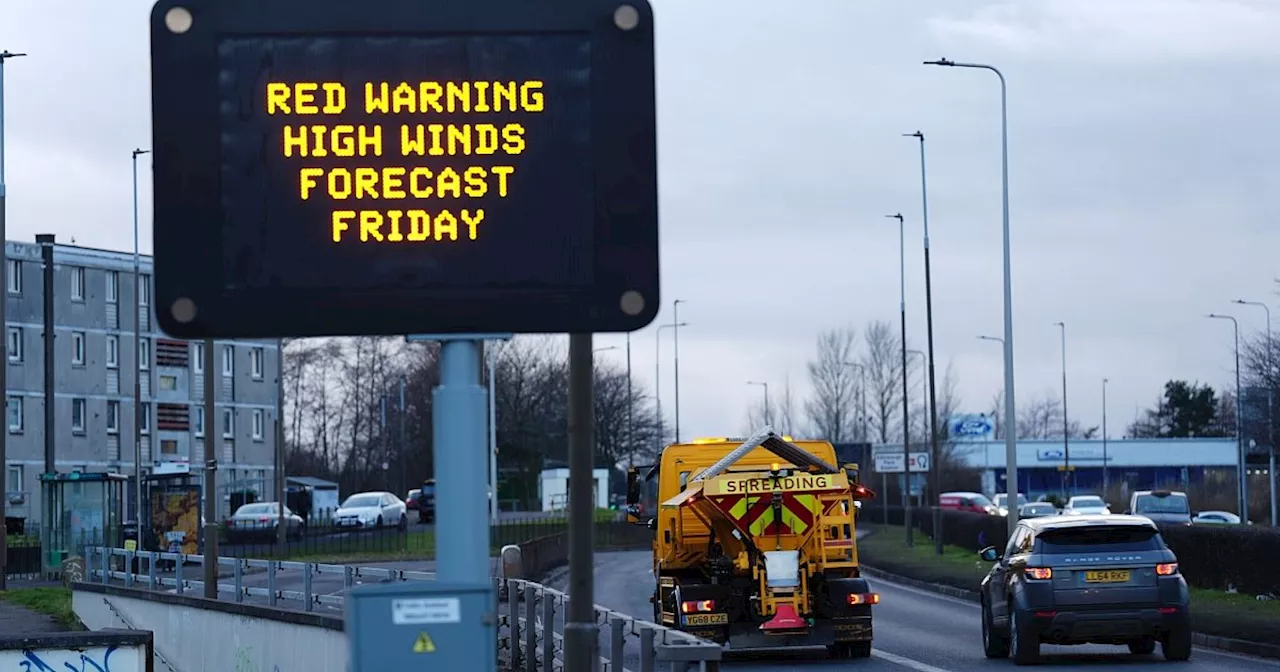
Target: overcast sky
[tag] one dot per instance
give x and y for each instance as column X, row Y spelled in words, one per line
column 1143, row 180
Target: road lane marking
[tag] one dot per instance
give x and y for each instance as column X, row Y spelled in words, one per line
column 906, row 662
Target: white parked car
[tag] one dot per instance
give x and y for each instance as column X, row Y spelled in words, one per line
column 1216, row 518
column 1086, row 505
column 371, row 510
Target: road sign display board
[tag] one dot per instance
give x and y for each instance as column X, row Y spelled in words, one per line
column 324, row 167
column 891, row 463
column 421, row 625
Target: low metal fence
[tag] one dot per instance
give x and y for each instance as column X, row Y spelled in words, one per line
column 531, row 615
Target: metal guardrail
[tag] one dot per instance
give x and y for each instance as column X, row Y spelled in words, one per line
column 525, row 643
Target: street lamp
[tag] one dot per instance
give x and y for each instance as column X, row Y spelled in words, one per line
column 928, row 311
column 1271, row 424
column 4, row 292
column 1066, row 434
column 675, row 317
column 1243, row 462
column 605, row 349
column 657, row 373
column 137, row 353
column 906, row 411
column 1010, row 437
column 767, row 419
column 1104, row 437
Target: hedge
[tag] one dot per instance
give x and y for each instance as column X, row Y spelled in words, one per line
column 1211, row 556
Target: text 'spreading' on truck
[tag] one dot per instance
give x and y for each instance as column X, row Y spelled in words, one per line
column 755, row 543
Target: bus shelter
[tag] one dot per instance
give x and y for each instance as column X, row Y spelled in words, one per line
column 80, row 510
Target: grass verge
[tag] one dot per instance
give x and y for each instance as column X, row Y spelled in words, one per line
column 52, row 601
column 417, row 546
column 1213, row 612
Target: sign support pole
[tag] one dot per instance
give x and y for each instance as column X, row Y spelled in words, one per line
column 458, row 418
column 581, row 638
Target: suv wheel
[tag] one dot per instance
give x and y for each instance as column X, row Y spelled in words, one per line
column 1024, row 645
column 994, row 644
column 1177, row 644
column 1142, row 647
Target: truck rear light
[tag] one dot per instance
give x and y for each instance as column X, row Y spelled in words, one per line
column 1040, row 573
column 864, row 598
column 697, row 606
column 1167, row 569
column 1168, row 610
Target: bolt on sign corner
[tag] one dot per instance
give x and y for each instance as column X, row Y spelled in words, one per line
column 338, row 168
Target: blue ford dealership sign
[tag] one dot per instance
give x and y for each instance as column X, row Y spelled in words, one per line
column 970, row 426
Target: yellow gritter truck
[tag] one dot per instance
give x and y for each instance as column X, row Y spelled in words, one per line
column 755, row 543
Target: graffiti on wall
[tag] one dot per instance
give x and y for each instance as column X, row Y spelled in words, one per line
column 95, row 659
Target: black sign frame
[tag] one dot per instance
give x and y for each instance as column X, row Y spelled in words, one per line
column 192, row 301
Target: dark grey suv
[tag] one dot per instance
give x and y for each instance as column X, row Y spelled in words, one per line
column 1093, row 579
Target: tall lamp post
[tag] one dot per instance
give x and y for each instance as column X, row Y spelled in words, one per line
column 1271, row 424
column 1242, row 462
column 631, row 425
column 934, row 487
column 657, row 374
column 4, row 292
column 767, row 419
column 137, row 350
column 1066, row 433
column 675, row 334
column 906, row 409
column 1010, row 419
column 1014, row 492
column 1104, row 437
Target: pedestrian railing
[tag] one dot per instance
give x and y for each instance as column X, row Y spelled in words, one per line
column 530, row 624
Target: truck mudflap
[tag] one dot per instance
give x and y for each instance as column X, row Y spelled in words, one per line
column 823, row 632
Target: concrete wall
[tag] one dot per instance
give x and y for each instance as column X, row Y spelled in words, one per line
column 192, row 634
column 117, row 651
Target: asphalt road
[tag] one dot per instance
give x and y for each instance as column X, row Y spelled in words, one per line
column 914, row 630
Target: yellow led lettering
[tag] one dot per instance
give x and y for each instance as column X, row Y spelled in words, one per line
column 419, row 226
column 459, row 94
column 335, row 98
column 370, row 223
column 395, row 195
column 341, row 222
column 394, row 235
column 531, row 96
column 304, row 98
column 307, row 179
column 446, row 225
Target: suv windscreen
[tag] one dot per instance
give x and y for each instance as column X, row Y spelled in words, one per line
column 980, row 501
column 1167, row 504
column 1100, row 539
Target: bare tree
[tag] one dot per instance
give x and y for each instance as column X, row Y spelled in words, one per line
column 781, row 413
column 883, row 364
column 832, row 408
column 1041, row 418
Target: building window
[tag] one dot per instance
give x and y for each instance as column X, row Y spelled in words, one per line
column 144, row 427
column 199, row 422
column 144, row 354
column 15, row 415
column 144, row 290
column 77, row 348
column 256, row 363
column 228, row 423
column 169, row 447
column 78, row 411
column 113, row 286
column 14, row 484
column 77, row 283
column 113, row 351
column 228, row 360
column 197, row 357
column 15, row 276
column 15, row 345
column 113, row 417
column 259, row 424
column 168, row 383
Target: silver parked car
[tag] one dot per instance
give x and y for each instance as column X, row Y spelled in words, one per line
column 260, row 520
column 371, row 510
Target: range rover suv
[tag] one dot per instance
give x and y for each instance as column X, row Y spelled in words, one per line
column 1089, row 579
